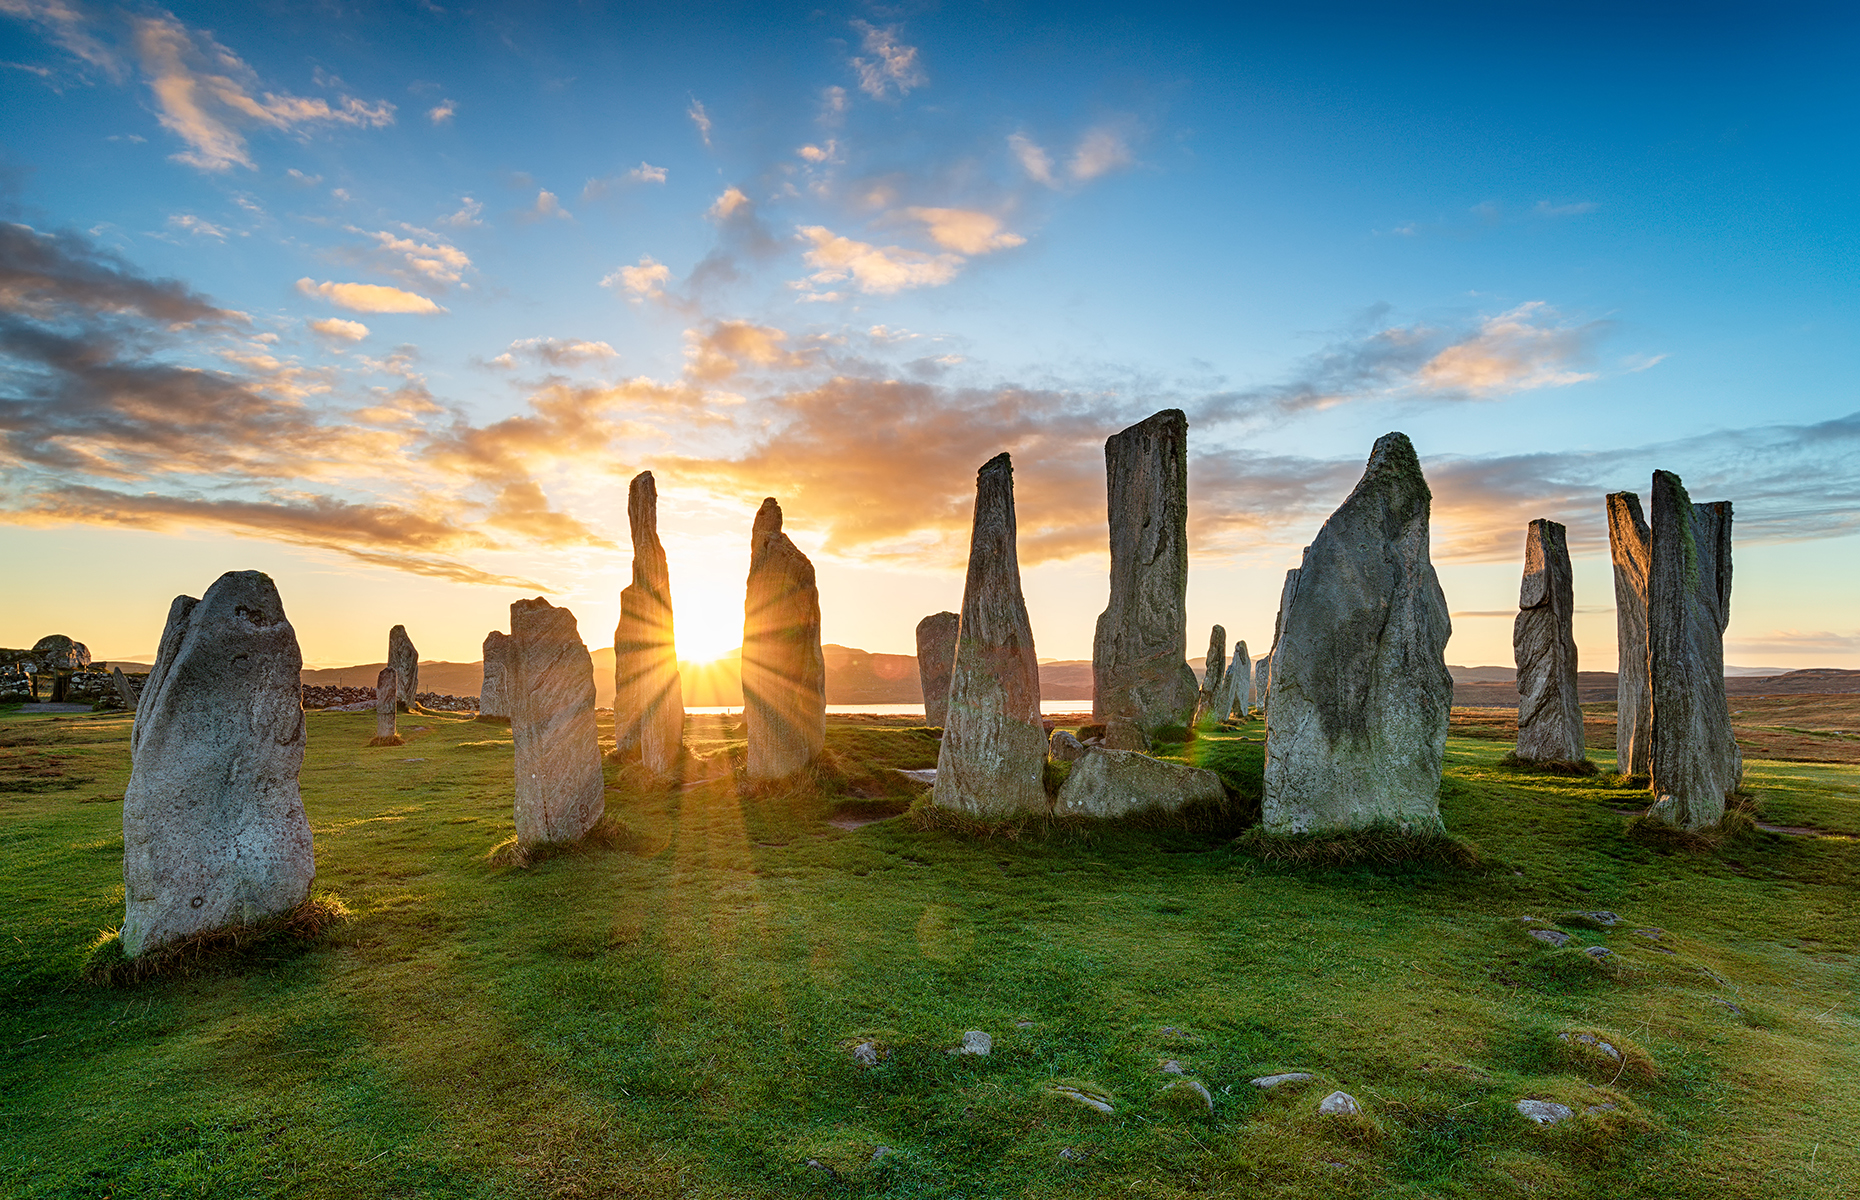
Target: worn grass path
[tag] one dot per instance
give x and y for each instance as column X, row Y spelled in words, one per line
column 669, row 1016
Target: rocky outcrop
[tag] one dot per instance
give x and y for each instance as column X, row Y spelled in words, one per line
column 1695, row 763
column 936, row 659
column 784, row 673
column 993, row 755
column 1117, row 783
column 1357, row 722
column 387, row 686
column 1214, row 674
column 494, row 690
column 649, row 704
column 1141, row 681
column 550, row 684
column 1630, row 544
column 405, row 661
column 214, row 832
column 1543, row 643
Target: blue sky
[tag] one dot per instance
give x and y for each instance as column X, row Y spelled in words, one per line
column 392, row 301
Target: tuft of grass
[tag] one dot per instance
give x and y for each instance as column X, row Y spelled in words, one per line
column 106, row 965
column 1377, row 845
column 392, row 739
column 1739, row 822
column 1547, row 766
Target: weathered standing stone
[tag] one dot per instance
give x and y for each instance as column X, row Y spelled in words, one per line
column 494, row 690
column 1141, row 681
column 936, row 658
column 993, row 755
column 1116, row 783
column 1214, row 673
column 214, row 832
column 1262, row 679
column 1544, row 646
column 649, row 703
column 1278, row 627
column 1360, row 690
column 1695, row 762
column 1630, row 544
column 405, row 661
column 387, row 686
column 124, row 692
column 550, row 680
column 784, row 670
column 1236, row 689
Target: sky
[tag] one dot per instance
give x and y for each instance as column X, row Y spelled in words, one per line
column 391, row 301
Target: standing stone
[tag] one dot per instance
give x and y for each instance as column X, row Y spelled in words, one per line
column 1695, row 762
column 992, row 761
column 386, row 692
column 1360, row 689
column 784, row 670
column 214, row 832
column 550, row 680
column 936, row 658
column 1141, row 681
column 649, row 703
column 124, row 692
column 1262, row 679
column 1214, row 673
column 1630, row 544
column 1240, row 679
column 1544, row 645
column 494, row 690
column 406, row 663
column 1278, row 627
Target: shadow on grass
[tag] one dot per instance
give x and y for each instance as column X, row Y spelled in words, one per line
column 106, row 965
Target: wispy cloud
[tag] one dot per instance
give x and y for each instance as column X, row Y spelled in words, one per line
column 699, row 118
column 425, row 263
column 728, row 204
column 367, row 297
column 965, row 231
column 873, row 269
column 893, row 65
column 467, row 215
column 196, row 226
column 69, row 27
column 1035, row 161
column 645, row 281
column 1099, row 152
column 442, row 112
column 546, row 208
column 1576, row 208
column 645, row 172
column 556, row 352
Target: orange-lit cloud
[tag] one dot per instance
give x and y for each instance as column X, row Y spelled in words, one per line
column 870, row 268
column 965, row 231
column 726, row 347
column 367, row 297
column 339, row 329
column 1512, row 352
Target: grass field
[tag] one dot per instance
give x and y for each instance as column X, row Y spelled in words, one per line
column 671, row 1013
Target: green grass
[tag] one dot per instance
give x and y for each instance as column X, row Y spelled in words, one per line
column 669, row 1012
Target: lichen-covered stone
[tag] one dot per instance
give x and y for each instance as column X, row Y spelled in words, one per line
column 936, row 658
column 1543, row 643
column 387, row 691
column 1117, row 783
column 550, row 679
column 993, row 755
column 649, row 705
column 1357, row 723
column 405, row 661
column 1262, row 679
column 1630, row 545
column 1278, row 628
column 493, row 690
column 214, row 832
column 1214, row 673
column 1695, row 763
column 784, row 669
column 1141, row 680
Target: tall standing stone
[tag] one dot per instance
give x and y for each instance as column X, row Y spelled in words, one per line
column 124, row 692
column 387, row 686
column 1262, row 679
column 494, row 689
column 405, row 661
column 936, row 658
column 649, row 704
column 1278, row 627
column 784, row 670
column 1240, row 678
column 1360, row 691
column 1543, row 643
column 1141, row 681
column 214, row 832
column 1214, row 674
column 1630, row 545
column 992, row 761
column 1695, row 762
column 550, row 679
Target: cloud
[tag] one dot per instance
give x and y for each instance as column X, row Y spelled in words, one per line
column 1099, row 151
column 717, row 353
column 204, row 93
column 56, row 276
column 1036, row 162
column 66, row 26
column 1796, row 641
column 545, row 208
column 728, row 204
column 893, row 64
column 302, row 180
column 645, row 281
column 645, row 172
column 700, row 118
column 833, row 106
column 340, row 330
column 556, row 352
column 1512, row 352
column 435, row 262
column 1546, row 209
column 964, row 231
column 467, row 215
column 819, row 154
column 442, row 112
column 368, row 297
column 873, row 270
column 196, row 226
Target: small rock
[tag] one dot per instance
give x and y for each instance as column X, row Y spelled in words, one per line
column 1096, row 1101
column 1339, row 1104
column 975, row 1042
column 1589, row 1039
column 1268, row 1082
column 1172, row 1067
column 1544, row 1112
column 1599, row 917
column 1068, row 1154
column 1597, row 952
column 1652, row 935
column 866, row 1054
column 1596, row 1108
column 1553, row 936
column 1187, row 1095
column 1170, row 1031
column 879, row 1152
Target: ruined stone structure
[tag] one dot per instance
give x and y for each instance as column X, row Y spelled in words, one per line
column 649, row 704
column 784, row 671
column 936, row 658
column 406, row 663
column 214, row 832
column 1141, row 681
column 1630, row 544
column 993, row 755
column 56, row 659
column 1357, row 723
column 494, row 690
column 1543, row 642
column 550, row 680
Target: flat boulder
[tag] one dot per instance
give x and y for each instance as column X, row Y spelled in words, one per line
column 1117, row 783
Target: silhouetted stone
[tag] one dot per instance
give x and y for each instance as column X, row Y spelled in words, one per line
column 649, row 705
column 784, row 671
column 1235, row 690
column 936, row 658
column 1357, row 723
column 494, row 689
column 406, row 663
column 1544, row 645
column 550, row 680
column 1695, row 762
column 992, row 759
column 123, row 691
column 1214, row 673
column 214, row 832
column 1630, row 545
column 1141, row 681
column 1117, row 783
column 387, row 685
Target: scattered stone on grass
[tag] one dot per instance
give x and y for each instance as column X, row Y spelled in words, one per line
column 925, row 775
column 1097, row 1101
column 1597, row 952
column 1545, row 1112
column 1601, row 918
column 1068, row 1154
column 1172, row 1067
column 880, row 1152
column 1589, row 1039
column 1339, row 1104
column 867, row 1054
column 975, row 1042
column 1652, row 935
column 1555, row 937
column 1608, row 1106
column 1187, row 1096
column 1023, row 1024
column 1268, row 1082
